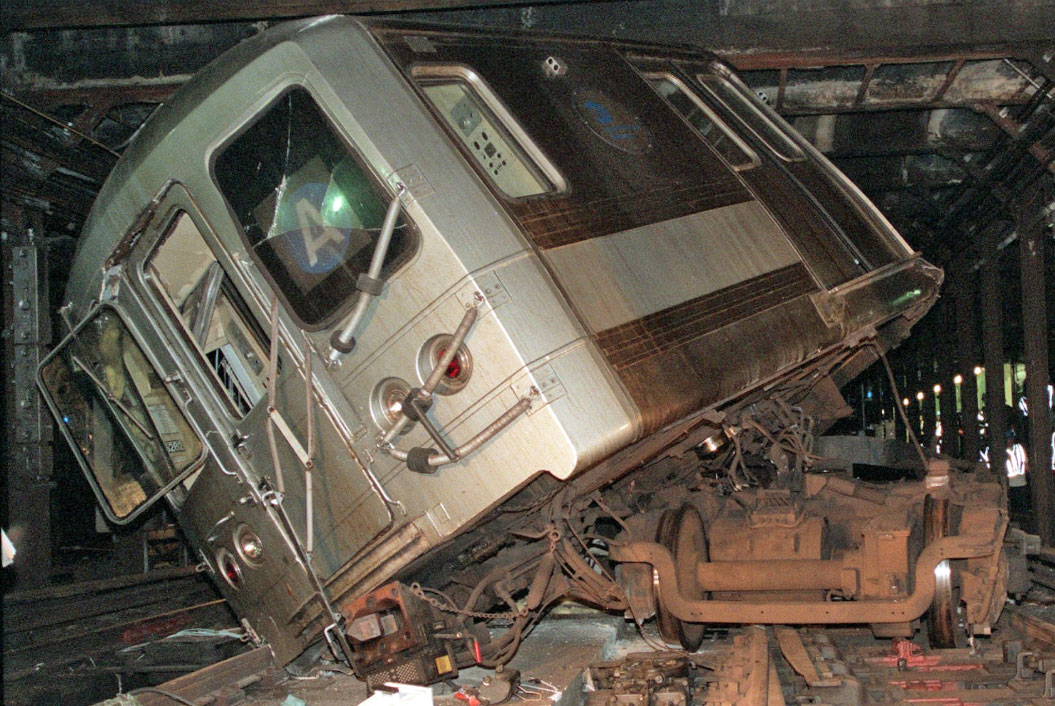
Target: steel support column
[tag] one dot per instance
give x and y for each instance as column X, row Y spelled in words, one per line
column 993, row 353
column 29, row 456
column 900, row 433
column 947, row 372
column 967, row 344
column 926, row 386
column 1035, row 330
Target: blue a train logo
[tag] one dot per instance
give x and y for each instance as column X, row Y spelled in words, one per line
column 316, row 223
column 612, row 122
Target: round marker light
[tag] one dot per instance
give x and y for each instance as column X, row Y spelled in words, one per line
column 454, row 370
column 249, row 545
column 458, row 372
column 386, row 402
column 229, row 568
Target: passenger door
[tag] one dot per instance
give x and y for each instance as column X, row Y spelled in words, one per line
column 833, row 198
column 131, row 437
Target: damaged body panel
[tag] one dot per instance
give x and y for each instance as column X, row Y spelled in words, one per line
column 417, row 329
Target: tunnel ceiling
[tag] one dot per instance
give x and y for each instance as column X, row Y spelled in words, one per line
column 941, row 112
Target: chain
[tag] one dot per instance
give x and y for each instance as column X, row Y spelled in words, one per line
column 418, row 591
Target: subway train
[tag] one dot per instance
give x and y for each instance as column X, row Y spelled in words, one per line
column 419, row 331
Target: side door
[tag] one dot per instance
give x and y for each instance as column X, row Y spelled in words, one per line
column 133, row 440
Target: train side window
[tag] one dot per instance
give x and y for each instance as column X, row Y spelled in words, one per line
column 310, row 211
column 498, row 144
column 199, row 293
column 714, row 132
column 114, row 409
column 745, row 107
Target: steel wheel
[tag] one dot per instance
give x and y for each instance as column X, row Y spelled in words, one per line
column 943, row 629
column 682, row 533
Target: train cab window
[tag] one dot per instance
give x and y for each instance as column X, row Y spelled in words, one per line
column 203, row 298
column 753, row 115
column 714, row 132
column 500, row 147
column 310, row 212
column 132, row 438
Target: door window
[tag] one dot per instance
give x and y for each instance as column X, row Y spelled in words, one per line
column 713, row 131
column 203, row 298
column 748, row 109
column 114, row 409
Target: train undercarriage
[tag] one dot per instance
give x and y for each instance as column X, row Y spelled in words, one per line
column 744, row 526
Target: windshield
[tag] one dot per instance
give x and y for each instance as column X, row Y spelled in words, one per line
column 116, row 411
column 310, row 213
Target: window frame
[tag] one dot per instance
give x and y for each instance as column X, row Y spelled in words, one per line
column 384, row 190
column 165, row 302
column 811, row 155
column 751, row 153
column 422, row 74
column 789, row 150
column 87, row 468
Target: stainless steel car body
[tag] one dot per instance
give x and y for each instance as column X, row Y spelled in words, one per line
column 547, row 312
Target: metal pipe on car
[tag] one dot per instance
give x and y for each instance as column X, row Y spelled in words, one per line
column 369, row 283
column 424, row 393
column 436, row 459
column 417, row 403
column 457, row 339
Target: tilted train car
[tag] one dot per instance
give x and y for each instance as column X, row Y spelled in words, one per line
column 416, row 328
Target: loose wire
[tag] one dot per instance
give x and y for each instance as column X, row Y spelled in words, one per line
column 901, row 411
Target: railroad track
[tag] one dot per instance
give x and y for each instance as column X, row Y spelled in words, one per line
column 68, row 637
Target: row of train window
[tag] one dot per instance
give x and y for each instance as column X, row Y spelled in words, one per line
column 511, row 160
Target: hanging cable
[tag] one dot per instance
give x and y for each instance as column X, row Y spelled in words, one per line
column 901, row 411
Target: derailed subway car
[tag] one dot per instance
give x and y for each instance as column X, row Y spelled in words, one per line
column 416, row 329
